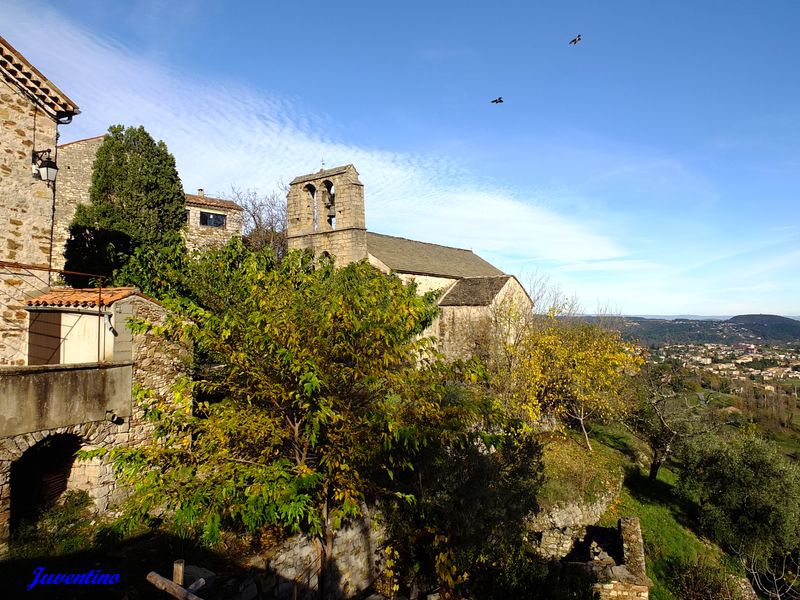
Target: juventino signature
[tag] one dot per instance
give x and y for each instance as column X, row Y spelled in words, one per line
column 93, row 577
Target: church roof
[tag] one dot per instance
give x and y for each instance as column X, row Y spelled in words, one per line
column 474, row 291
column 38, row 87
column 421, row 258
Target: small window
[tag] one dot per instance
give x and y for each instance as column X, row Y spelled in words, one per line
column 212, row 219
column 186, row 215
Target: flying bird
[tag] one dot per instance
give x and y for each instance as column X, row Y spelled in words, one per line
column 574, row 41
column 498, row 100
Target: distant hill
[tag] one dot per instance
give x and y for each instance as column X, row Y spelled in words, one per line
column 770, row 326
column 748, row 329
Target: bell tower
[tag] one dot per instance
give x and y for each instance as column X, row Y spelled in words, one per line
column 325, row 213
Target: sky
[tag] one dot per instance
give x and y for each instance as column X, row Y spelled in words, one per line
column 652, row 169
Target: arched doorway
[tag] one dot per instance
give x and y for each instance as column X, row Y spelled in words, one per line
column 39, row 477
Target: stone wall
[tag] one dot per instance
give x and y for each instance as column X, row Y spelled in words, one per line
column 66, row 408
column 157, row 365
column 202, row 237
column 555, row 531
column 293, row 567
column 75, row 161
column 346, row 246
column 627, row 580
column 26, row 205
column 96, row 476
column 307, row 223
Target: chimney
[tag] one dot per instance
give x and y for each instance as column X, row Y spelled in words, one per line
column 201, row 193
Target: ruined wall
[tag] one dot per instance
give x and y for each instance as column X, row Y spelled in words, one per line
column 627, row 580
column 157, row 363
column 25, row 213
column 356, row 560
column 75, row 161
column 556, row 530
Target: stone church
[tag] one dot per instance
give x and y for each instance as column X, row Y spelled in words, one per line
column 326, row 214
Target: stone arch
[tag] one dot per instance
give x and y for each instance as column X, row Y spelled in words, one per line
column 311, row 191
column 40, row 476
column 330, row 203
column 95, row 476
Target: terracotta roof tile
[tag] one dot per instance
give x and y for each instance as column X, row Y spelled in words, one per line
column 84, row 297
column 17, row 68
column 194, row 200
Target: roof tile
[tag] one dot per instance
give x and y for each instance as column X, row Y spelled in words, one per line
column 422, row 258
column 84, row 297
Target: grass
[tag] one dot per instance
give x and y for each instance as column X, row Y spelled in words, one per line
column 571, row 475
column 664, row 517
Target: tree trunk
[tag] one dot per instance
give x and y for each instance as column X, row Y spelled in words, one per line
column 655, row 465
column 585, row 435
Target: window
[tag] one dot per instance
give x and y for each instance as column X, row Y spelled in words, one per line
column 212, row 219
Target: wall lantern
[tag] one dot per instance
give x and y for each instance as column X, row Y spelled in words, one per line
column 43, row 167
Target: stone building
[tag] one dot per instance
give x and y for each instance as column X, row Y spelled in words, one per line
column 76, row 393
column 326, row 214
column 210, row 221
column 31, row 109
column 68, row 362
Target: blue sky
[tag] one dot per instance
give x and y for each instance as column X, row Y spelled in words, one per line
column 652, row 169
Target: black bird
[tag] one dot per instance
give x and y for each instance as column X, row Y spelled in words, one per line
column 574, row 41
column 498, row 100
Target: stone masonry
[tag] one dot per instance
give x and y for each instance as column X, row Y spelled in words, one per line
column 329, row 202
column 29, row 123
column 75, row 160
column 204, row 237
column 156, row 365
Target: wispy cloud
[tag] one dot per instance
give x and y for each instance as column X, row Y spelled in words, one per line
column 223, row 133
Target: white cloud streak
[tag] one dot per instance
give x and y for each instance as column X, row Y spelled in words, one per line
column 223, row 133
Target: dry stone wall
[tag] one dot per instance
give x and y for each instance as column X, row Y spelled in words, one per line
column 555, row 531
column 291, row 570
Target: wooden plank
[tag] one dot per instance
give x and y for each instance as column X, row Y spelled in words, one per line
column 170, row 587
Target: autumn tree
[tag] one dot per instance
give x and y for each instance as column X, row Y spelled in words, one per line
column 136, row 200
column 312, row 385
column 575, row 370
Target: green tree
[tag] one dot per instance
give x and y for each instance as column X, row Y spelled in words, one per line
column 312, row 385
column 136, row 200
column 667, row 415
column 747, row 494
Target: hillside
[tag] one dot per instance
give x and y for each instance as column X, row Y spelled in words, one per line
column 748, row 329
